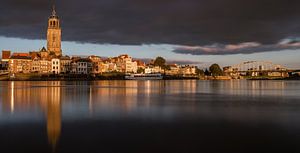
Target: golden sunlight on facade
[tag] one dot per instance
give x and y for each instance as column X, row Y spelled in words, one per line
column 54, row 34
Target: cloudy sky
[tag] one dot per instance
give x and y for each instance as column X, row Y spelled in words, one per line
column 191, row 31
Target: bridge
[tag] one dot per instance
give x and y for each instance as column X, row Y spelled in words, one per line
column 257, row 68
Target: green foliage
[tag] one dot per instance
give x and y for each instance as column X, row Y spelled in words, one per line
column 199, row 72
column 140, row 70
column 215, row 70
column 166, row 67
column 160, row 61
column 207, row 73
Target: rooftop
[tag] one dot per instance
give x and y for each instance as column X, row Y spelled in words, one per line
column 20, row 56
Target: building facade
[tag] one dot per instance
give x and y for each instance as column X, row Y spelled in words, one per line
column 84, row 66
column 55, row 66
column 5, row 60
column 20, row 63
column 54, row 34
column 65, row 64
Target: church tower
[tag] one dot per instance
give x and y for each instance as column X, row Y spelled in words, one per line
column 54, row 34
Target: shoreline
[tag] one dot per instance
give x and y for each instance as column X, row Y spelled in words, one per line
column 80, row 77
column 117, row 76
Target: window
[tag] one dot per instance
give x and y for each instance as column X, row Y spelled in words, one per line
column 54, row 37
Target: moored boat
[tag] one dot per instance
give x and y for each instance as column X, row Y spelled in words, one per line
column 151, row 76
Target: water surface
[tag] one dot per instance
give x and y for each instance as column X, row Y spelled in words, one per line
column 150, row 116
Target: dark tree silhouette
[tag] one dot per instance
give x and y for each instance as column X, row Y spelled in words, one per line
column 215, row 70
column 160, row 61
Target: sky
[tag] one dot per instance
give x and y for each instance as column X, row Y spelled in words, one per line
column 200, row 32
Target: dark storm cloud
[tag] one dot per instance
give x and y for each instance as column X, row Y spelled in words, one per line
column 180, row 22
column 179, row 62
column 241, row 48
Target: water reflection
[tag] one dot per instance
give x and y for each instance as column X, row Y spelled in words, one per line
column 27, row 97
column 54, row 114
column 55, row 100
column 12, row 103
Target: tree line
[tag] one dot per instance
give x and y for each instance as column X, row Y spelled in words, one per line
column 214, row 70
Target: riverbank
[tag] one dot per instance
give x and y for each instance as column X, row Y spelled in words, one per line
column 80, row 77
column 62, row 77
column 119, row 76
column 274, row 78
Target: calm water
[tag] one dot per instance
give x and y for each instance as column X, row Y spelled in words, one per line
column 150, row 116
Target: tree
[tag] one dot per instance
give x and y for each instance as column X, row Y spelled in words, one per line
column 140, row 70
column 199, row 72
column 207, row 73
column 166, row 67
column 160, row 61
column 215, row 70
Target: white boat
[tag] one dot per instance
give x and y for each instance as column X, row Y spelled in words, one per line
column 152, row 76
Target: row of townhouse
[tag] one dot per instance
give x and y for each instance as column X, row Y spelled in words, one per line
column 95, row 65
column 122, row 63
column 172, row 69
column 26, row 63
column 23, row 63
column 41, row 62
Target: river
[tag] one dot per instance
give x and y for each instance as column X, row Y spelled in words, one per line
column 183, row 116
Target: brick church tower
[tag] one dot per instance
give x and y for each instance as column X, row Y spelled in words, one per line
column 54, row 34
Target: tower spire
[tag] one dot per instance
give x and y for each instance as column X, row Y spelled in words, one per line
column 53, row 8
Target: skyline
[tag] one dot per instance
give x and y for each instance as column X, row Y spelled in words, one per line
column 203, row 61
column 199, row 45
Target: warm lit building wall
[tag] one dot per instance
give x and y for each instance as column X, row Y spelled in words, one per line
column 104, row 67
column 4, row 62
column 96, row 64
column 65, row 65
column 35, row 66
column 73, row 67
column 45, row 66
column 55, row 66
column 54, row 34
column 131, row 67
column 187, row 70
column 112, row 67
column 20, row 65
column 5, row 54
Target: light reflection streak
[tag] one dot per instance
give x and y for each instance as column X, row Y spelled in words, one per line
column 90, row 101
column 12, row 100
column 148, row 86
column 54, row 115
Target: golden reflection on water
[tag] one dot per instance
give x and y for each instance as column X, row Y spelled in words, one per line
column 46, row 96
column 54, row 114
column 12, row 102
column 49, row 97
